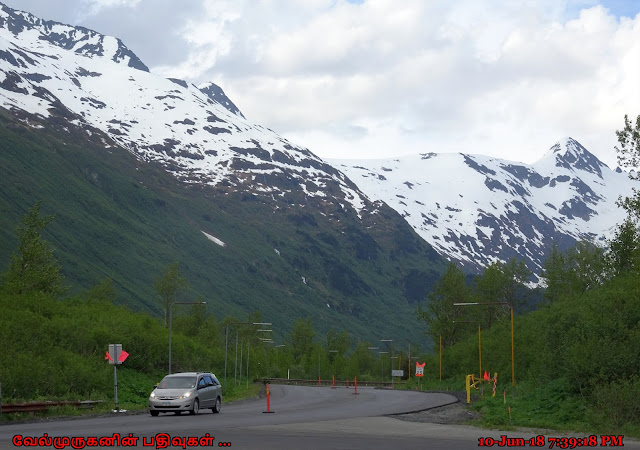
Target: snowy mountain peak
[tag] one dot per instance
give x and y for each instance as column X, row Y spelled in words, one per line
column 29, row 31
column 476, row 209
column 569, row 154
column 71, row 77
column 215, row 93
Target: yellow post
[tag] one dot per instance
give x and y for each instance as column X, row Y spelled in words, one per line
column 468, row 384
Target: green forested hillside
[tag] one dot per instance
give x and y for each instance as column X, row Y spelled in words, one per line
column 124, row 219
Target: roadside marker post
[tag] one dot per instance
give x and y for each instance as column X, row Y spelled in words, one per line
column 355, row 383
column 495, row 383
column 268, row 401
column 333, row 381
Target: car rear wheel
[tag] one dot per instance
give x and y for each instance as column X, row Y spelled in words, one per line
column 196, row 407
column 154, row 413
column 218, row 405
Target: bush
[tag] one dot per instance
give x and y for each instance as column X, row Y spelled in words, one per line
column 618, row 403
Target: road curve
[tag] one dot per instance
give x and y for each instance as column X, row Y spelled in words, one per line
column 290, row 405
column 303, row 418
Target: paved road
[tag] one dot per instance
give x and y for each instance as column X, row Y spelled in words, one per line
column 303, row 418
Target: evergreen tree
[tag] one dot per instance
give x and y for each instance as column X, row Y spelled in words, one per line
column 515, row 274
column 554, row 275
column 624, row 248
column 33, row 266
column 490, row 288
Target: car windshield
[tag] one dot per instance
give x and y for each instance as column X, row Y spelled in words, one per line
column 177, row 383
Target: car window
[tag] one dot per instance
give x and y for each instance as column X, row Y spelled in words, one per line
column 202, row 382
column 208, row 380
column 215, row 381
column 177, row 383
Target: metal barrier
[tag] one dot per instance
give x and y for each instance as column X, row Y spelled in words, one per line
column 328, row 382
column 32, row 407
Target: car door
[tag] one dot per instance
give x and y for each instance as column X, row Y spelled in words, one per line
column 203, row 392
column 217, row 389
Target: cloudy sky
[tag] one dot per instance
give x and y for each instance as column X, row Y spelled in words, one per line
column 383, row 78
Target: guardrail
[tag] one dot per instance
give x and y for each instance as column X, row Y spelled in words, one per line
column 329, row 382
column 32, row 407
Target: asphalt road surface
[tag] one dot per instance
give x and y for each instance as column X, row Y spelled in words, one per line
column 302, row 418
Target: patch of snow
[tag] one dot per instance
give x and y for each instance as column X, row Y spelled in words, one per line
column 214, row 239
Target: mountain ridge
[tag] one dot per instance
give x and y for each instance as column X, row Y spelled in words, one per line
column 476, row 209
column 142, row 171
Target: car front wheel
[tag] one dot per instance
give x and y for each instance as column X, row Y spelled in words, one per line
column 218, row 405
column 196, row 407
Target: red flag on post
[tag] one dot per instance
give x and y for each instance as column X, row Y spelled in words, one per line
column 122, row 356
column 486, row 376
column 108, row 357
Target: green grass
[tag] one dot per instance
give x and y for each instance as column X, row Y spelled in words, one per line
column 552, row 406
column 133, row 394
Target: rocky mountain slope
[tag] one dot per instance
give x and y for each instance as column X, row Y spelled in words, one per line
column 142, row 171
column 477, row 209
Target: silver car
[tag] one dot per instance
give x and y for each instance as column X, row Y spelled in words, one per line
column 188, row 391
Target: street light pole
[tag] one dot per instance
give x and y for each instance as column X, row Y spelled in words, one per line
column 513, row 370
column 171, row 322
column 389, row 345
column 226, row 341
column 382, row 361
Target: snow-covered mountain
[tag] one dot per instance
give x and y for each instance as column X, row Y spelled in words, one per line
column 476, row 209
column 72, row 76
column 472, row 209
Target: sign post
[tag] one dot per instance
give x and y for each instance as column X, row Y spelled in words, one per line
column 420, row 372
column 396, row 373
column 116, row 356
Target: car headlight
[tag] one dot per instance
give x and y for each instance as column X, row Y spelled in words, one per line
column 153, row 395
column 187, row 394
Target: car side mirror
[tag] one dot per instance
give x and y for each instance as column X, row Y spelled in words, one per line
column 155, row 386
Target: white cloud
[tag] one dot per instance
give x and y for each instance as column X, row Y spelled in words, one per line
column 96, row 5
column 477, row 76
column 383, row 77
